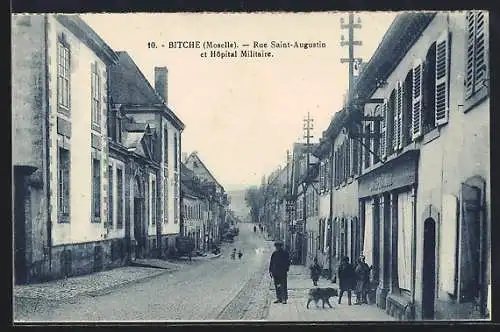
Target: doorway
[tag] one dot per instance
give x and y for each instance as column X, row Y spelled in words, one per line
column 20, row 203
column 139, row 228
column 429, row 269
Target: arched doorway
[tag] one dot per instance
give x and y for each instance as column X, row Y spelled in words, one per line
column 429, row 269
column 139, row 227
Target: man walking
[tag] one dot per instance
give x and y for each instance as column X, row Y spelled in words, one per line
column 363, row 281
column 278, row 269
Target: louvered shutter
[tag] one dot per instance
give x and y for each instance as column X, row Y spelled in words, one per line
column 383, row 130
column 469, row 69
column 416, row 112
column 398, row 117
column 480, row 71
column 442, row 74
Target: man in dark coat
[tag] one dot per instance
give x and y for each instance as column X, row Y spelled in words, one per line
column 347, row 279
column 278, row 269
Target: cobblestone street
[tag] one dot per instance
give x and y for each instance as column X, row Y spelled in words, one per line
column 204, row 289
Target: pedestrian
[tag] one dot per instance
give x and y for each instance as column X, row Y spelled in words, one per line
column 347, row 279
column 315, row 271
column 233, row 254
column 362, row 271
column 278, row 269
column 240, row 254
column 254, row 229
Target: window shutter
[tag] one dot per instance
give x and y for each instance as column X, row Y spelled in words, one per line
column 416, row 113
column 469, row 68
column 442, row 74
column 383, row 130
column 480, row 66
column 398, row 117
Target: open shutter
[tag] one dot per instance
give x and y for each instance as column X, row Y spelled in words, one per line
column 469, row 68
column 442, row 75
column 398, row 124
column 383, row 130
column 480, row 65
column 416, row 113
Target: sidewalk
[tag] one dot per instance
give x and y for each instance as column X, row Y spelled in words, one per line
column 99, row 282
column 95, row 283
column 299, row 284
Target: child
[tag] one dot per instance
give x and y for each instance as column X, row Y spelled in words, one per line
column 315, row 271
column 240, row 254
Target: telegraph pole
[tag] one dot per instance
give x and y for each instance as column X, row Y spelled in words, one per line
column 350, row 43
column 308, row 126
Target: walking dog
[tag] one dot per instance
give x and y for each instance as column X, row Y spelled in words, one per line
column 323, row 294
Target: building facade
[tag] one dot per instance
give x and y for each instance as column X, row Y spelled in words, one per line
column 423, row 183
column 217, row 200
column 61, row 71
column 89, row 163
column 150, row 132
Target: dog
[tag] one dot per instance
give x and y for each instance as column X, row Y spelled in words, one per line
column 323, row 294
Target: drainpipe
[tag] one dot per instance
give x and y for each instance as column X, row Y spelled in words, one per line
column 413, row 250
column 47, row 139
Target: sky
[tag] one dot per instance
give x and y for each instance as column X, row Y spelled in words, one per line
column 242, row 114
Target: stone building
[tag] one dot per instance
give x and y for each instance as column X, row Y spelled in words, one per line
column 60, row 142
column 218, row 200
column 195, row 205
column 145, row 139
column 420, row 108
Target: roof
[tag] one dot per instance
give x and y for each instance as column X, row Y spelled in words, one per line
column 128, row 86
column 85, row 33
column 404, row 31
column 198, row 159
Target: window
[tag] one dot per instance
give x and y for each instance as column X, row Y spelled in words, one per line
column 153, row 202
column 429, row 96
column 430, row 99
column 407, row 108
column 96, row 190
column 176, row 157
column 96, row 96
column 63, row 74
column 389, row 126
column 176, row 198
column 476, row 77
column 165, row 198
column 63, row 173
column 110, row 195
column 112, row 124
column 165, row 147
column 366, row 157
column 119, row 200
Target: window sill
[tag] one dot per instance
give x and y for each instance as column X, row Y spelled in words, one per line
column 63, row 220
column 63, row 110
column 430, row 136
column 96, row 127
column 475, row 99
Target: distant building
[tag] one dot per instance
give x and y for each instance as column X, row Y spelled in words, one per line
column 218, row 200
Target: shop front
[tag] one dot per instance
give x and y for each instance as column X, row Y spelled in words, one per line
column 387, row 197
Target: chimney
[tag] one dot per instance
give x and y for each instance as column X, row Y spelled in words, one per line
column 161, row 82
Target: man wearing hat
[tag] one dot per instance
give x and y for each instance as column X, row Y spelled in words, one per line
column 278, row 269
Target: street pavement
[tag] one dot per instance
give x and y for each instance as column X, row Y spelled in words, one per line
column 210, row 289
column 295, row 309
